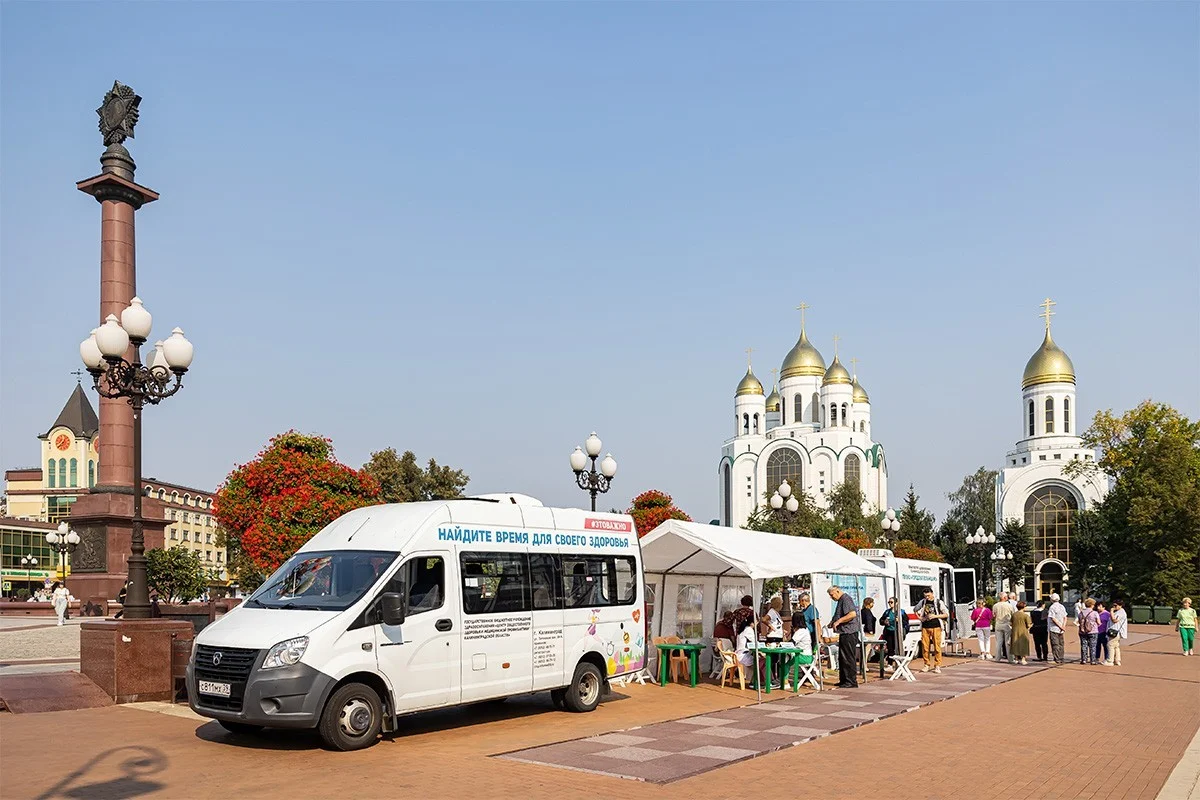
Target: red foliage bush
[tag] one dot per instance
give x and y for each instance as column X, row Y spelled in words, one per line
column 907, row 548
column 651, row 509
column 853, row 539
column 274, row 504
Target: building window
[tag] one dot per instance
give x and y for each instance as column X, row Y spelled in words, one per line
column 174, row 535
column 833, row 417
column 1031, row 418
column 845, row 415
column 1066, row 415
column 50, row 474
column 1049, row 415
column 816, row 404
column 62, row 473
column 1050, row 516
column 91, row 473
column 745, row 423
column 783, row 411
column 854, row 470
column 58, row 508
column 784, row 465
column 1058, row 456
column 728, row 495
column 74, row 472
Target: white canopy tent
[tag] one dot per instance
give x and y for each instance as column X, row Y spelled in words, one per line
column 677, row 548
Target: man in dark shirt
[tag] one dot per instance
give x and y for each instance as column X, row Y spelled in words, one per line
column 845, row 623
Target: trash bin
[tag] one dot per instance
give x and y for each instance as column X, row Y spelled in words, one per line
column 1163, row 615
column 1141, row 614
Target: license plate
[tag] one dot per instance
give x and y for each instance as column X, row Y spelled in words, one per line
column 219, row 689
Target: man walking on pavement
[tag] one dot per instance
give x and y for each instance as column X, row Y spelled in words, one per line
column 1056, row 622
column 1002, row 621
column 931, row 612
column 845, row 623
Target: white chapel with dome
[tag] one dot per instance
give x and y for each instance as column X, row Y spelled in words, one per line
column 1031, row 486
column 813, row 430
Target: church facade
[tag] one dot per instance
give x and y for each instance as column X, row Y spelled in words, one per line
column 1031, row 486
column 813, row 430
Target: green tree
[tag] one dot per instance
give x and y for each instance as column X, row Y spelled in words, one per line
column 846, row 501
column 177, row 574
column 1151, row 454
column 402, row 480
column 1015, row 538
column 916, row 523
column 239, row 566
column 950, row 540
column 974, row 502
column 1092, row 556
column 806, row 520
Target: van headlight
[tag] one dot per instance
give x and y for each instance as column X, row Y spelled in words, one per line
column 286, row 653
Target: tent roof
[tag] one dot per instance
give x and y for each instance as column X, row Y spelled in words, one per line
column 695, row 549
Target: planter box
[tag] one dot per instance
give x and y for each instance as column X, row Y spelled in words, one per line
column 1141, row 614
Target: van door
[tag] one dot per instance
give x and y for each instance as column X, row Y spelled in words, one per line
column 421, row 657
column 545, row 577
column 497, row 625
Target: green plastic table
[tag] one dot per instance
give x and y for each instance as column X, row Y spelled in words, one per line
column 664, row 655
column 770, row 652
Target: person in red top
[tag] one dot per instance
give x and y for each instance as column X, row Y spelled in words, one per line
column 981, row 618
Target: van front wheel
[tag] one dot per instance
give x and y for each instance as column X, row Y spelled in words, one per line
column 352, row 718
column 584, row 692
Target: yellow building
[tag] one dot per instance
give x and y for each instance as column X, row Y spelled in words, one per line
column 67, row 467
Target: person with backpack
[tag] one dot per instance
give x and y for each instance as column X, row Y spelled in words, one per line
column 931, row 612
column 888, row 619
column 1089, row 624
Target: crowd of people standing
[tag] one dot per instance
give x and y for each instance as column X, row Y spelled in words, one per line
column 1013, row 623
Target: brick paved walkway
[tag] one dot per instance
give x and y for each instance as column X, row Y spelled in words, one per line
column 681, row 748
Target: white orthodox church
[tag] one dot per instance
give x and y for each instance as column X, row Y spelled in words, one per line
column 1031, row 486
column 813, row 430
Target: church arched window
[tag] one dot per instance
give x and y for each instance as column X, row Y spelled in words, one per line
column 62, row 473
column 1049, row 415
column 50, row 474
column 862, row 426
column 833, row 418
column 728, row 489
column 1050, row 517
column 1031, row 418
column 784, row 465
column 797, row 408
column 1066, row 415
column 756, row 423
column 854, row 471
column 783, row 411
column 745, row 423
column 74, row 472
column 845, row 415
column 816, row 405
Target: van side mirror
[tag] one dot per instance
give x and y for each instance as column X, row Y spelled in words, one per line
column 392, row 606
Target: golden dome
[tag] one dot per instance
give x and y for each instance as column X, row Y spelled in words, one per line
column 860, row 394
column 774, row 400
column 803, row 360
column 836, row 373
column 1048, row 365
column 749, row 385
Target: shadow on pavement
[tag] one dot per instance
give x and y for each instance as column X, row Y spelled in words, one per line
column 410, row 725
column 138, row 763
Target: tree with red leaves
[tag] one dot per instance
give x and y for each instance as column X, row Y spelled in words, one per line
column 907, row 548
column 653, row 508
column 271, row 506
column 853, row 539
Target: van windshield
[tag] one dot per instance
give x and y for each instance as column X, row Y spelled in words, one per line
column 331, row 581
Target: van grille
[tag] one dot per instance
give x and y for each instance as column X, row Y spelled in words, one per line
column 233, row 667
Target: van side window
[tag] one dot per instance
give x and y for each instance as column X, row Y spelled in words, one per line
column 426, row 583
column 495, row 583
column 593, row 581
column 626, row 581
column 543, row 579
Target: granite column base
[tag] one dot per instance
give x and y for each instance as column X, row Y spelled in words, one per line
column 135, row 660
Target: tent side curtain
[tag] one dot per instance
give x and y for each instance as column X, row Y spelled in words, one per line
column 689, row 548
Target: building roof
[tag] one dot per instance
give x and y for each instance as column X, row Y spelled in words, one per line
column 23, row 474
column 178, row 487
column 77, row 415
column 28, row 524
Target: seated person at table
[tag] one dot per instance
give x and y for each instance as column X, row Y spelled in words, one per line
column 724, row 628
column 774, row 620
column 801, row 638
column 746, row 646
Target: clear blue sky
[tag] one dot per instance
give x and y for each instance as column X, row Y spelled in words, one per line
column 481, row 231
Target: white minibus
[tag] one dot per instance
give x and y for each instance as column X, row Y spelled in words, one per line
column 399, row 608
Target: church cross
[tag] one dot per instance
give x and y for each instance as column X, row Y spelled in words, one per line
column 854, row 366
column 836, row 339
column 1046, row 312
column 749, row 357
column 802, row 308
column 78, row 375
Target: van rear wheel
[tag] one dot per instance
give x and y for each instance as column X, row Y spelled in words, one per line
column 352, row 718
column 584, row 692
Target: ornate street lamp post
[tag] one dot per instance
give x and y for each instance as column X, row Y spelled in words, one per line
column 29, row 563
column 783, row 500
column 63, row 541
column 113, row 376
column 590, row 480
column 980, row 541
column 998, row 559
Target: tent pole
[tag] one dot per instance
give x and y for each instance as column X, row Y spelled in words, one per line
column 757, row 674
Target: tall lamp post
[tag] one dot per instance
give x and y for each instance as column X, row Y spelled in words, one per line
column 982, row 540
column 781, row 500
column 890, row 524
column 29, row 563
column 589, row 479
column 62, row 541
column 113, row 376
column 998, row 559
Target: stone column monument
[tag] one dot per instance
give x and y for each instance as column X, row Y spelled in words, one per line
column 130, row 659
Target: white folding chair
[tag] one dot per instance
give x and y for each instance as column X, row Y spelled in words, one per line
column 628, row 679
column 902, row 662
column 808, row 674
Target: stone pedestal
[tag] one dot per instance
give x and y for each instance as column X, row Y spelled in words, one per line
column 131, row 660
column 104, row 522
